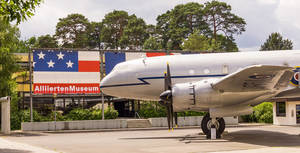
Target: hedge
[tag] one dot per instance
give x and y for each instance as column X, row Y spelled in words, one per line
column 76, row 114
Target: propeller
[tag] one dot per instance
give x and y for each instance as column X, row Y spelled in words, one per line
column 167, row 100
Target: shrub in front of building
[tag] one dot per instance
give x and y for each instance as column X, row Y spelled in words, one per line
column 262, row 113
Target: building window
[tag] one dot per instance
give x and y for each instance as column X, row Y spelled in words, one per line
column 280, row 109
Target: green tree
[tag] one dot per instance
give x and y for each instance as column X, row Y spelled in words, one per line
column 8, row 66
column 23, row 46
column 151, row 30
column 152, row 43
column 8, row 42
column 220, row 19
column 46, row 41
column 31, row 42
column 276, row 42
column 114, row 24
column 18, row 10
column 177, row 24
column 72, row 31
column 9, row 36
column 199, row 42
column 163, row 27
column 196, row 42
column 227, row 44
column 94, row 34
column 134, row 33
column 11, row 10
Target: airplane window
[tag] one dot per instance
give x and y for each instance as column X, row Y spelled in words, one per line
column 191, row 72
column 206, row 71
column 225, row 69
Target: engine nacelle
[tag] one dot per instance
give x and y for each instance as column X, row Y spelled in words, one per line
column 196, row 96
column 200, row 96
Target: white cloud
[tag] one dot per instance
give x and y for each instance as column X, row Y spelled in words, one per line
column 288, row 12
column 267, row 1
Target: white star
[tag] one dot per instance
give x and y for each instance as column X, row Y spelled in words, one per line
column 33, row 64
column 41, row 55
column 69, row 64
column 60, row 56
column 50, row 64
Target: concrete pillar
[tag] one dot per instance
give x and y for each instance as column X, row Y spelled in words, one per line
column 5, row 116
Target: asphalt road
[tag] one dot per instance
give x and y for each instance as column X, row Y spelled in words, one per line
column 268, row 138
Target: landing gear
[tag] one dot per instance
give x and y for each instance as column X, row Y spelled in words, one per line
column 207, row 123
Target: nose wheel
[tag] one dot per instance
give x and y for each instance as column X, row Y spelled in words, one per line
column 208, row 122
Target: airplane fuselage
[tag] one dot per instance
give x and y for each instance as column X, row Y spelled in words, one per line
column 144, row 78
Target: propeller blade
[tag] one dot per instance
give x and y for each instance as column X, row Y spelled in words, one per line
column 168, row 78
column 166, row 97
column 172, row 114
column 168, row 116
column 166, row 82
column 176, row 119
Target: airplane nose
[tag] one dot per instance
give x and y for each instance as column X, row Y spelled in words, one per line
column 104, row 82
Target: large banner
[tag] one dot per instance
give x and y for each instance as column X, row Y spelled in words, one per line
column 66, row 72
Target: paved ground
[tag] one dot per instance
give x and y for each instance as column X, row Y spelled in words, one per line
column 238, row 139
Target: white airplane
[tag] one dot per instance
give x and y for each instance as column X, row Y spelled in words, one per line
column 222, row 84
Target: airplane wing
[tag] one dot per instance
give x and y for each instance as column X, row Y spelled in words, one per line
column 256, row 78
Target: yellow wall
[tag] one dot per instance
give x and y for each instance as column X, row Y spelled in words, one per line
column 23, row 57
column 22, row 77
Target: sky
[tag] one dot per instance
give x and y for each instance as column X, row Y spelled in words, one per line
column 262, row 16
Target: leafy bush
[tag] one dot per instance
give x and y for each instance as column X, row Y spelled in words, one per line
column 25, row 116
column 15, row 120
column 263, row 113
column 97, row 114
column 79, row 114
column 249, row 118
column 191, row 113
column 152, row 109
column 17, row 117
column 266, row 117
column 59, row 116
column 110, row 113
column 91, row 114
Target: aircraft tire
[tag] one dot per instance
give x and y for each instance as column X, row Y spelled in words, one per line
column 206, row 122
column 221, row 125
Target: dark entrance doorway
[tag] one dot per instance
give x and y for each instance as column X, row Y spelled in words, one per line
column 298, row 114
column 125, row 108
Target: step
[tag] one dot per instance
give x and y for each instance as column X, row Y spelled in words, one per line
column 138, row 123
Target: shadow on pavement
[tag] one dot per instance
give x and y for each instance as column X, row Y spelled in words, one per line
column 25, row 134
column 254, row 137
column 13, row 151
column 266, row 138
